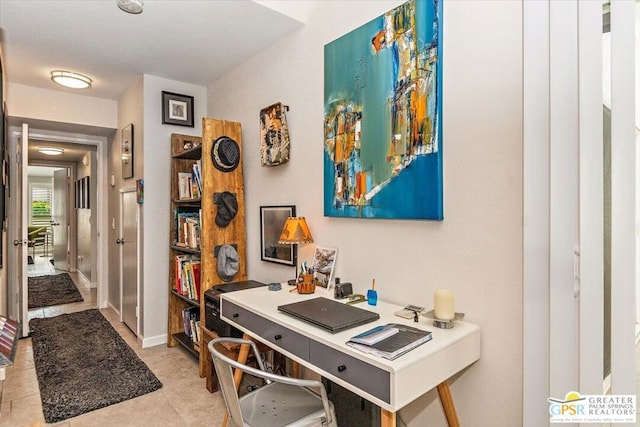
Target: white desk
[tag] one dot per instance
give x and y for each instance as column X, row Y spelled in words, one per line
column 388, row 384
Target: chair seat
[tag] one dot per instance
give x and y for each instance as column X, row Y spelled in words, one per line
column 284, row 401
column 278, row 404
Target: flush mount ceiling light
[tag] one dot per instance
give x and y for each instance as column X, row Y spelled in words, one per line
column 70, row 79
column 51, row 151
column 131, row 6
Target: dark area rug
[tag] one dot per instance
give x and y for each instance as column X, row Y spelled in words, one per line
column 45, row 291
column 83, row 364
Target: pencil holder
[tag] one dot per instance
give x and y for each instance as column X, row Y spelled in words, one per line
column 306, row 284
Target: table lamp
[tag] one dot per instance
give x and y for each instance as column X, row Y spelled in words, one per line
column 294, row 232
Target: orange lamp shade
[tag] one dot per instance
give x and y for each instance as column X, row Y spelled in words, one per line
column 295, row 230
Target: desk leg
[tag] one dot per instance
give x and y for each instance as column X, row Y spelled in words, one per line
column 387, row 418
column 447, row 404
column 243, row 354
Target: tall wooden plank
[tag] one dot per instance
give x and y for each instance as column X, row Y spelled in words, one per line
column 216, row 181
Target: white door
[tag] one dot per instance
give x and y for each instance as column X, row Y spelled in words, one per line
column 59, row 219
column 128, row 242
column 18, row 216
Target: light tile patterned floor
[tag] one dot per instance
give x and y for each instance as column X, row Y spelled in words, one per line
column 183, row 399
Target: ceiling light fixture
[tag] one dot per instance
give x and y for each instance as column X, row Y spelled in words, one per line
column 51, row 151
column 70, row 79
column 131, row 6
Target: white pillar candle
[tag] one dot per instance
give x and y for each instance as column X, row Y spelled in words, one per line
column 443, row 304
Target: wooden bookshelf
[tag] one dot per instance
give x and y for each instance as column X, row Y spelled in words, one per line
column 211, row 235
column 182, row 161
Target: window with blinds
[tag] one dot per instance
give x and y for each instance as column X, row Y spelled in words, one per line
column 41, row 198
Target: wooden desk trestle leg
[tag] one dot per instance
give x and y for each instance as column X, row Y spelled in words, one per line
column 237, row 375
column 447, row 404
column 388, row 418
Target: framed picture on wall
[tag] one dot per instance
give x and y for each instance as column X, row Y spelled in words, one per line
column 177, row 109
column 127, row 152
column 76, row 194
column 140, row 191
column 87, row 192
column 272, row 219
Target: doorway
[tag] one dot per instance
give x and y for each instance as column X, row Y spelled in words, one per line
column 51, row 218
column 97, row 144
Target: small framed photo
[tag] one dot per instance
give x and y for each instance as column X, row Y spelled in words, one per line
column 324, row 262
column 272, row 219
column 127, row 151
column 177, row 109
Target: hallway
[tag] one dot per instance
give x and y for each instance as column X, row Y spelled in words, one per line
column 182, row 401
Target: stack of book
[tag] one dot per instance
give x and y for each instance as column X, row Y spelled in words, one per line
column 191, row 317
column 389, row 341
column 188, row 227
column 190, row 183
column 187, row 270
column 9, row 335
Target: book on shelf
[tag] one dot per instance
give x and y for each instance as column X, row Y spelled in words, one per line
column 187, row 276
column 190, row 318
column 188, row 227
column 389, row 341
column 197, row 178
column 185, row 185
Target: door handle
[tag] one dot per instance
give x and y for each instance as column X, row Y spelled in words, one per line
column 119, row 241
column 55, row 223
column 19, row 242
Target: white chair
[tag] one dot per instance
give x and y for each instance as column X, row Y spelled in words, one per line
column 282, row 401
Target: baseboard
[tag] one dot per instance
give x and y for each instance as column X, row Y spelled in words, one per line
column 154, row 341
column 85, row 281
column 114, row 308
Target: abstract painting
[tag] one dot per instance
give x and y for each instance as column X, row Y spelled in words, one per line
column 382, row 117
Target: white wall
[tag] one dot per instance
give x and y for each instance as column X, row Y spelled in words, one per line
column 3, row 233
column 45, row 104
column 156, row 212
column 130, row 111
column 86, row 223
column 476, row 251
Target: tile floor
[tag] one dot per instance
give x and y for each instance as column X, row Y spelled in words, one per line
column 183, row 399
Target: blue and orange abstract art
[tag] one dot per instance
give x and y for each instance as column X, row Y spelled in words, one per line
column 382, row 117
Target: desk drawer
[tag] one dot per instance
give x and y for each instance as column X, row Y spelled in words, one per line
column 371, row 379
column 278, row 335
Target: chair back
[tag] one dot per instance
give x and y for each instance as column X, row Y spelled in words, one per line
column 224, row 368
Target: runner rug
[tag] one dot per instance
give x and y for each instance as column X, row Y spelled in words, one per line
column 83, row 364
column 55, row 289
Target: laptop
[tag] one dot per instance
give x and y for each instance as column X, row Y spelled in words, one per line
column 327, row 314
